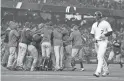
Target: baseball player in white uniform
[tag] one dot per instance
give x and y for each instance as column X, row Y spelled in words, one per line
column 101, row 29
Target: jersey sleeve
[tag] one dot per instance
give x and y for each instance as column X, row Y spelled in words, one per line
column 71, row 36
column 108, row 27
column 16, row 33
column 28, row 34
column 92, row 30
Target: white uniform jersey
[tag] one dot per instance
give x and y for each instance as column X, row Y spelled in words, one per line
column 98, row 30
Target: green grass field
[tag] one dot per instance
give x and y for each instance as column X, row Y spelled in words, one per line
column 116, row 74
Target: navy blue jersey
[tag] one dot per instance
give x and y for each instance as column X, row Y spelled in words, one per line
column 36, row 40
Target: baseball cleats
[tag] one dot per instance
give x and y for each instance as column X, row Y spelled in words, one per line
column 82, row 69
column 41, row 68
column 4, row 64
column 61, row 69
column 105, row 74
column 57, row 69
column 73, row 69
column 19, row 68
column 121, row 65
column 27, row 69
column 10, row 68
column 96, row 74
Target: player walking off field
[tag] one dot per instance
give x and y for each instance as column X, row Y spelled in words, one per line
column 76, row 39
column 101, row 29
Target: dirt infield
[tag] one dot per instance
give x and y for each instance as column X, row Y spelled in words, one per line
column 116, row 74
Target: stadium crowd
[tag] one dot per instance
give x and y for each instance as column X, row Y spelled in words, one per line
column 91, row 3
column 109, row 4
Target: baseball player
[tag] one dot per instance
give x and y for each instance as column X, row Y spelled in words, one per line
column 116, row 51
column 58, row 47
column 25, row 40
column 101, row 29
column 33, row 51
column 76, row 39
column 13, row 41
column 67, row 48
column 46, row 45
column 6, row 54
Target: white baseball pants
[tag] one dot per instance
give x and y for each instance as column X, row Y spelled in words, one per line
column 34, row 53
column 21, row 54
column 46, row 49
column 6, row 54
column 100, row 48
column 12, row 56
column 59, row 56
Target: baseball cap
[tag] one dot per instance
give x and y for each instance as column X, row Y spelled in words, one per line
column 75, row 27
column 40, row 25
column 98, row 13
column 27, row 24
column 8, row 28
column 72, row 25
column 64, row 26
column 12, row 24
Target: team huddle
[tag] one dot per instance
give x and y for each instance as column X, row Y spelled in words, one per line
column 37, row 46
column 43, row 41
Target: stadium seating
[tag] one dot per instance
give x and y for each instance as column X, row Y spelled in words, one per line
column 111, row 4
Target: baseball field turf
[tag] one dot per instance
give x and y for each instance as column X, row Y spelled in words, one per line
column 116, row 74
